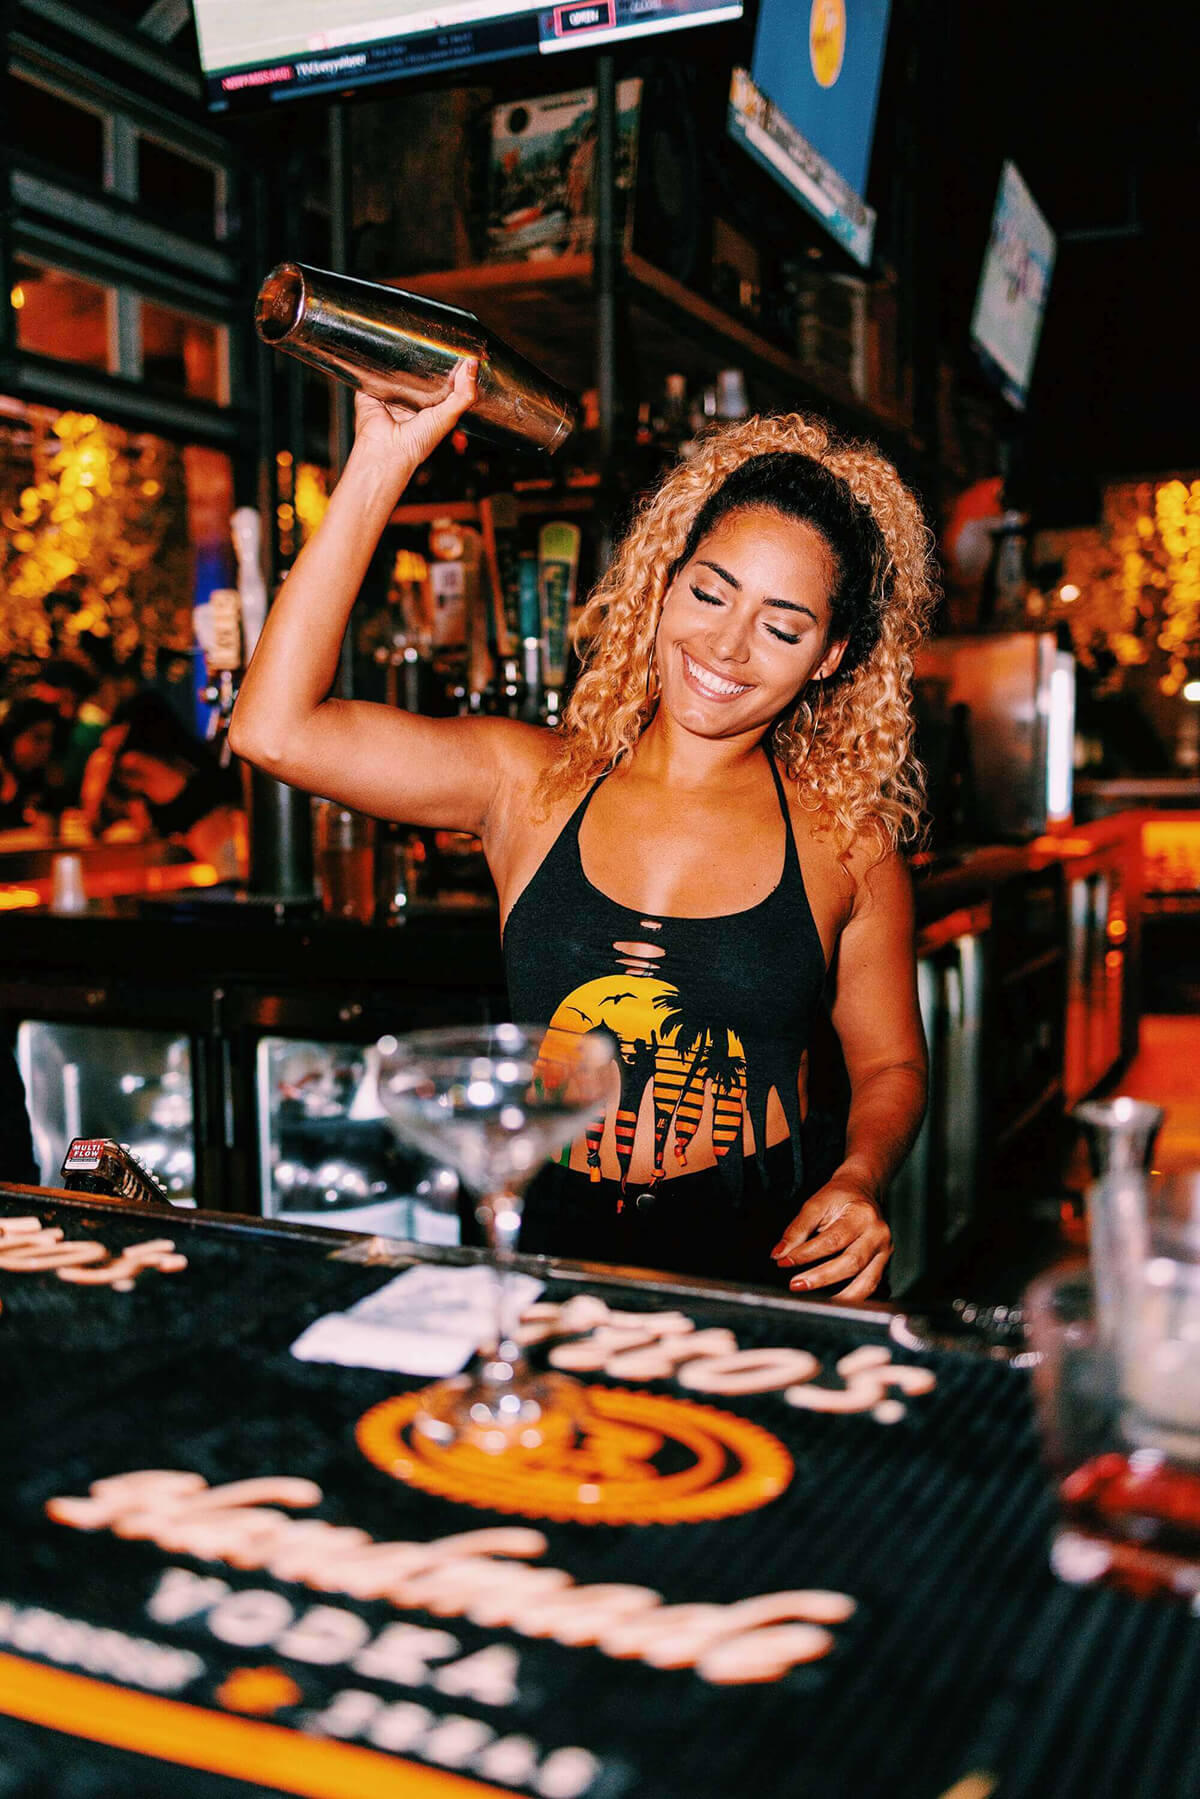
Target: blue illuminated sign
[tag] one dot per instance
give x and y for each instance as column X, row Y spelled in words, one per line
column 806, row 108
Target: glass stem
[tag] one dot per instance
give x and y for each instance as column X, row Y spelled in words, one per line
column 503, row 1231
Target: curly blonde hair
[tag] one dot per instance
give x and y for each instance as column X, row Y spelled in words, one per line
column 849, row 749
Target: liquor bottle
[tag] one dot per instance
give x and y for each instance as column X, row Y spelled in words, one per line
column 673, row 429
column 580, row 465
column 731, row 395
column 702, row 414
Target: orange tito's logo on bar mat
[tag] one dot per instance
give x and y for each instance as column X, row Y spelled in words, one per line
column 638, row 1459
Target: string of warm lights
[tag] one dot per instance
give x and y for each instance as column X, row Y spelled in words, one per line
column 1131, row 589
column 1177, row 516
column 96, row 543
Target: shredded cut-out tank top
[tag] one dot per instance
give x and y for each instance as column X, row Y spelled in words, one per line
column 720, row 1007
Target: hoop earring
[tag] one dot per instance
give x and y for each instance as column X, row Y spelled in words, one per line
column 814, row 714
column 650, row 675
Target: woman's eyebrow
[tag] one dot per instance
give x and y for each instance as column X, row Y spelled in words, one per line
column 724, row 573
column 732, row 580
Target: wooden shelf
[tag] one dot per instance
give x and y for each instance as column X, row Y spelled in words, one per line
column 466, row 512
column 1172, row 905
column 1038, row 964
column 546, row 310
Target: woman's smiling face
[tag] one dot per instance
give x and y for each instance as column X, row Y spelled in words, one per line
column 745, row 624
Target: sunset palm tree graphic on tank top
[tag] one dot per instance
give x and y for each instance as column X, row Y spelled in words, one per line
column 679, row 1049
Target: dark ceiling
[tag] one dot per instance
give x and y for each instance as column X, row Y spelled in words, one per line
column 1099, row 106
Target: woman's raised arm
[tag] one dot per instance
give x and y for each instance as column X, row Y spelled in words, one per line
column 381, row 761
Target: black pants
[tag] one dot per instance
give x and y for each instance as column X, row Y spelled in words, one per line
column 691, row 1224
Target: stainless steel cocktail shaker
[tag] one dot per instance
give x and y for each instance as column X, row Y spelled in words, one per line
column 400, row 346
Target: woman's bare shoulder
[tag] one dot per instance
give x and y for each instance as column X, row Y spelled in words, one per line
column 522, row 752
column 864, row 869
column 880, row 872
column 523, row 820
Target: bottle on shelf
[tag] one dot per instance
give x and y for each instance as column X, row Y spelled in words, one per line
column 731, row 395
column 702, row 413
column 580, row 463
column 509, row 690
column 672, row 424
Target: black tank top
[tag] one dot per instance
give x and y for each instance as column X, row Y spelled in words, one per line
column 721, row 1006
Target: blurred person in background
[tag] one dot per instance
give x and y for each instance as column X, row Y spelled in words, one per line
column 69, row 685
column 151, row 771
column 28, row 734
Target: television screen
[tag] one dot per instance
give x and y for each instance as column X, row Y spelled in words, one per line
column 806, row 107
column 1013, row 285
column 257, row 50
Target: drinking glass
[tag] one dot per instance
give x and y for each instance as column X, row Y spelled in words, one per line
column 1117, row 1384
column 1158, row 1325
column 492, row 1102
column 1120, row 1134
column 344, row 860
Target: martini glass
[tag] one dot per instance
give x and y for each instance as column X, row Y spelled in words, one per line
column 492, row 1102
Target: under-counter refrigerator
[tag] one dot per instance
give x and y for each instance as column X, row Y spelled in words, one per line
column 933, row 1200
column 327, row 1154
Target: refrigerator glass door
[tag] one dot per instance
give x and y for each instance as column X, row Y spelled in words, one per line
column 95, row 1080
column 959, row 1082
column 328, row 1155
column 932, row 1200
column 908, row 1195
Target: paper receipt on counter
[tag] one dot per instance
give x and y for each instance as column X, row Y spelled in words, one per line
column 427, row 1321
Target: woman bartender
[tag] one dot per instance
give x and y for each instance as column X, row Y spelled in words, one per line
column 706, row 846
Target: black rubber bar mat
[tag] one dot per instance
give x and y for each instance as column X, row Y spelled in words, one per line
column 717, row 1591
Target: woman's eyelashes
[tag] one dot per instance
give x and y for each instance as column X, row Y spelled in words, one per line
column 712, row 599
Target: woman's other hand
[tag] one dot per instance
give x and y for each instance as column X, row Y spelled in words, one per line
column 402, row 437
column 842, row 1228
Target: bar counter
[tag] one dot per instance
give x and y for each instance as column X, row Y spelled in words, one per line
column 233, row 935
column 1021, row 1019
column 229, row 1571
